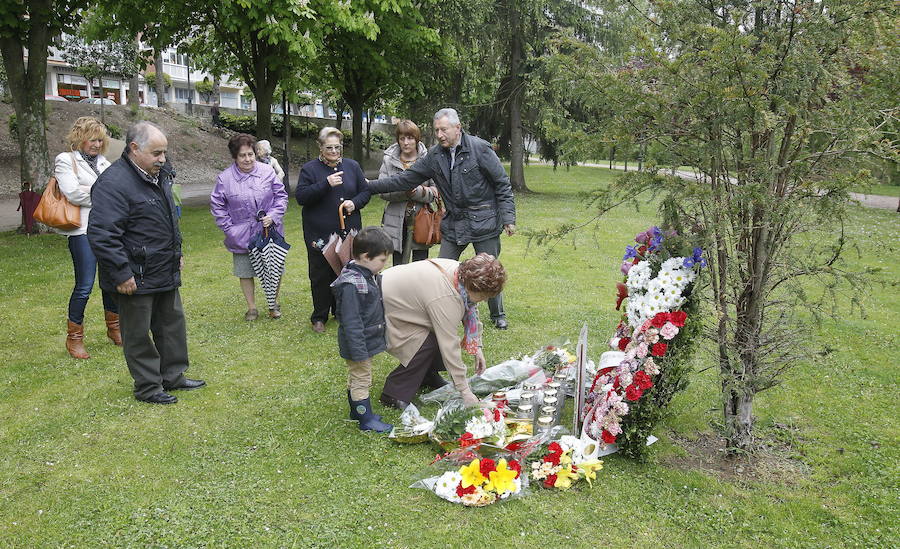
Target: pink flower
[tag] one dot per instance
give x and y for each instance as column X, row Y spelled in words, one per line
column 650, row 367
column 669, row 330
column 626, row 266
column 642, row 350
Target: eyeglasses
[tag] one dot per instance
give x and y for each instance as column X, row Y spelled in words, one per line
column 333, row 148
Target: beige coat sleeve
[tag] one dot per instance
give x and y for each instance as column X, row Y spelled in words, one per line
column 446, row 329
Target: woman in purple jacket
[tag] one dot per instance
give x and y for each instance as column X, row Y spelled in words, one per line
column 247, row 197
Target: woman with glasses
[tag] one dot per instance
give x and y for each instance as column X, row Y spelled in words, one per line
column 247, row 197
column 325, row 184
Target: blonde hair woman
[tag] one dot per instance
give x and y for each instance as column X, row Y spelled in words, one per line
column 76, row 171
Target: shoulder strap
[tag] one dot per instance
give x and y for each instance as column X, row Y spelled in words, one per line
column 74, row 163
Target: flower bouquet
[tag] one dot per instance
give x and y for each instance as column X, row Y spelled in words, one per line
column 477, row 483
column 562, row 465
column 656, row 287
column 459, row 426
column 412, row 427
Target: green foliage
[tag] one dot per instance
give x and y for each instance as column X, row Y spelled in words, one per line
column 205, row 89
column 381, row 140
column 238, row 123
column 13, row 126
column 150, row 78
column 114, row 131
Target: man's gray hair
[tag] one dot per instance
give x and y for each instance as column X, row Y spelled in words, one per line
column 450, row 114
column 140, row 133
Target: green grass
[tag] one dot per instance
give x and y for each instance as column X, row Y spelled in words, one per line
column 263, row 457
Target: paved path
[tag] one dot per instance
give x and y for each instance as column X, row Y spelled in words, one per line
column 867, row 200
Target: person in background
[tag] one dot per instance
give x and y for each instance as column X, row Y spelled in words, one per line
column 76, row 172
column 264, row 155
column 360, row 312
column 214, row 114
column 134, row 234
column 475, row 189
column 400, row 212
column 247, row 197
column 325, row 184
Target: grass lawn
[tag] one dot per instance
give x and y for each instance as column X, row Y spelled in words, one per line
column 263, row 457
column 883, row 190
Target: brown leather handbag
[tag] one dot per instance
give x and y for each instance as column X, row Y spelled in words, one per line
column 427, row 225
column 54, row 210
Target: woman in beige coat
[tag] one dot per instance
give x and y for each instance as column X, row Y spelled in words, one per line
column 424, row 303
column 75, row 172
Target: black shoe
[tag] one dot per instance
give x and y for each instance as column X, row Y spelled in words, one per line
column 392, row 402
column 161, row 397
column 500, row 323
column 187, row 385
column 354, row 415
column 433, row 380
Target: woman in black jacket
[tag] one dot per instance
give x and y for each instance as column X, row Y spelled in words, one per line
column 326, row 183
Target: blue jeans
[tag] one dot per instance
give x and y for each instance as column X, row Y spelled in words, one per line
column 85, row 265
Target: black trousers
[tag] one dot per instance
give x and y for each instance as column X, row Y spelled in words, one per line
column 404, row 381
column 451, row 250
column 159, row 362
column 321, row 275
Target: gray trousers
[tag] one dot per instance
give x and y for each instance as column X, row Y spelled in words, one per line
column 451, row 250
column 156, row 363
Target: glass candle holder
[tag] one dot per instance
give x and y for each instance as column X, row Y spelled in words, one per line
column 543, row 426
column 525, row 411
column 526, row 397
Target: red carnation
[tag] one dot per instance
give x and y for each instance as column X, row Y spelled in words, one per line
column 623, row 342
column 515, row 466
column 642, row 379
column 607, row 437
column 642, row 250
column 633, row 392
column 553, row 458
column 460, row 491
column 622, row 294
column 659, row 349
column 487, row 465
column 497, row 416
column 513, row 446
column 554, row 448
column 467, row 439
column 678, row 318
column 550, row 481
column 659, row 320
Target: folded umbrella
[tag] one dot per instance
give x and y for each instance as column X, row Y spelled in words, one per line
column 268, row 251
column 340, row 244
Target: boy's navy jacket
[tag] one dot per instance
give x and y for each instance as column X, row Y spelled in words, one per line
column 360, row 311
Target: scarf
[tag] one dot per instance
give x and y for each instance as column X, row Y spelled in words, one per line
column 266, row 160
column 91, row 160
column 471, row 340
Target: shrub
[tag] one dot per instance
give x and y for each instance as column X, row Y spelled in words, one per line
column 13, row 126
column 381, row 140
column 150, row 77
column 237, row 123
column 114, row 131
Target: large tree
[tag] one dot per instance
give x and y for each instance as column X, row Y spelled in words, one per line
column 94, row 59
column 773, row 105
column 27, row 30
column 377, row 59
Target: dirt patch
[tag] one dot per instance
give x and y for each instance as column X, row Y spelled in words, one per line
column 198, row 151
column 774, row 460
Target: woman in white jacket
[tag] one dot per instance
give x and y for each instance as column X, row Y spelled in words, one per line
column 75, row 173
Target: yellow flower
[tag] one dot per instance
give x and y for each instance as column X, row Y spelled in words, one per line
column 570, row 358
column 589, row 469
column 471, row 474
column 502, row 479
column 566, row 458
column 564, row 478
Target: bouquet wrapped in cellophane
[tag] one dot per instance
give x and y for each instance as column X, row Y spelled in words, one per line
column 481, row 427
column 464, row 477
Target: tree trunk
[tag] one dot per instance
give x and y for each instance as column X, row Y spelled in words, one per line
column 216, row 93
column 102, row 100
column 612, row 156
column 287, row 141
column 516, row 85
column 369, row 114
column 160, row 79
column 356, row 108
column 739, row 421
column 134, row 96
column 263, row 94
column 339, row 117
column 26, row 86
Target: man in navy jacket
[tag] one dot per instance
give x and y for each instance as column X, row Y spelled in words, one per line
column 133, row 231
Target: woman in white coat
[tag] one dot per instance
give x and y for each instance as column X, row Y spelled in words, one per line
column 75, row 172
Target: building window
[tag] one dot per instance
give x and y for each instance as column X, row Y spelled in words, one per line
column 183, row 94
column 172, row 56
column 228, row 99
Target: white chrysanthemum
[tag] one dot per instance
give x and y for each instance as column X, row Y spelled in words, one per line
column 479, row 427
column 672, row 263
column 634, row 309
column 446, row 486
column 638, row 277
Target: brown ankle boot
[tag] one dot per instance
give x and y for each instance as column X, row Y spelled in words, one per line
column 75, row 341
column 112, row 328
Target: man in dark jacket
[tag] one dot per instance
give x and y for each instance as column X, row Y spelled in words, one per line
column 475, row 189
column 133, row 231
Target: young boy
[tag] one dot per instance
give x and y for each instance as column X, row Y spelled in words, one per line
column 360, row 311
